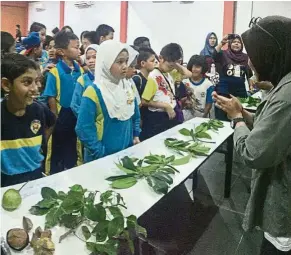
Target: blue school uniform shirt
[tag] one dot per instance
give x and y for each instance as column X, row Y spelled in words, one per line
column 100, row 134
column 23, row 138
column 67, row 77
column 82, row 83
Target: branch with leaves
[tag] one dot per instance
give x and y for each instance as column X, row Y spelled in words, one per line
column 156, row 169
column 103, row 224
column 250, row 101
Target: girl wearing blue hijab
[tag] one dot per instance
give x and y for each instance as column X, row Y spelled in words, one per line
column 210, row 43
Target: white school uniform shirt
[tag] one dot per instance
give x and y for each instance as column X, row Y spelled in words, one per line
column 200, row 93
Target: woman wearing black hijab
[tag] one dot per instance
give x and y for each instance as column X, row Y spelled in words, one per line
column 263, row 140
column 233, row 70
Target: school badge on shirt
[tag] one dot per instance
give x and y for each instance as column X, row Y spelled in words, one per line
column 35, row 126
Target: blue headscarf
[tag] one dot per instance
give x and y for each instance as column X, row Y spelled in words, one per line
column 208, row 50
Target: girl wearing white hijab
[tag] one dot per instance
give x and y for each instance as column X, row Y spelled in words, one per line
column 86, row 79
column 109, row 118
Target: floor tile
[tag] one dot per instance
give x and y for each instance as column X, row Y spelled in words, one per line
column 250, row 243
column 212, row 161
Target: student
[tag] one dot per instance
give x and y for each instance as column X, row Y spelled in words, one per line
column 142, row 42
column 131, row 71
column 60, row 85
column 7, row 43
column 159, row 94
column 109, row 118
column 67, row 29
column 104, row 33
column 210, row 43
column 88, row 39
column 23, row 122
column 86, row 79
column 55, row 31
column 197, row 90
column 18, row 34
column 33, row 46
column 234, row 70
column 41, row 29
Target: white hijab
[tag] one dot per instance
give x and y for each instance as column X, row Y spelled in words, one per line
column 93, row 47
column 118, row 96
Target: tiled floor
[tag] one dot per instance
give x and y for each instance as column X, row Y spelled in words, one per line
column 211, row 225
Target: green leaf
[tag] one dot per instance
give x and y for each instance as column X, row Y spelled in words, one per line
column 163, row 177
column 35, row 210
column 199, row 128
column 128, row 163
column 47, row 203
column 77, row 188
column 129, row 241
column 122, row 168
column 124, row 183
column 185, row 132
column 203, row 135
column 168, row 170
column 160, row 187
column 131, row 222
column 70, row 221
column 86, row 232
column 101, row 230
column 73, row 202
column 150, row 168
column 91, row 246
column 119, row 177
column 139, row 163
column 48, row 193
column 170, row 159
column 115, row 211
column 62, row 195
column 106, row 197
column 52, row 217
column 150, row 181
column 90, row 198
column 115, row 227
column 95, row 212
column 181, row 161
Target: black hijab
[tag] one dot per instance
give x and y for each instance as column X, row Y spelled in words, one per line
column 270, row 62
column 237, row 57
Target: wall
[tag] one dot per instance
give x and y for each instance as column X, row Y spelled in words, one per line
column 245, row 11
column 186, row 24
column 13, row 13
column 50, row 17
column 91, row 18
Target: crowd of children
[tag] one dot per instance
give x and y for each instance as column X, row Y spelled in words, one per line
column 67, row 101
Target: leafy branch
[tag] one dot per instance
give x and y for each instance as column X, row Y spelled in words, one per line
column 250, row 101
column 103, row 224
column 156, row 169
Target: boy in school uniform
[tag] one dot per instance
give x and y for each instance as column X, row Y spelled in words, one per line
column 60, row 84
column 23, row 122
column 33, row 47
column 103, row 33
column 159, row 94
column 196, row 91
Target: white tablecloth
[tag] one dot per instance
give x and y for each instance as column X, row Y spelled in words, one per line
column 138, row 199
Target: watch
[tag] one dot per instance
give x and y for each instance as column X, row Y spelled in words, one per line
column 235, row 121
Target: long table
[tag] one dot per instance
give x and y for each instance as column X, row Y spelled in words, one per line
column 139, row 198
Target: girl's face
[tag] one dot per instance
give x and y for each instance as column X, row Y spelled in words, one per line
column 212, row 40
column 91, row 59
column 236, row 45
column 130, row 72
column 42, row 35
column 85, row 43
column 52, row 50
column 119, row 67
column 196, row 71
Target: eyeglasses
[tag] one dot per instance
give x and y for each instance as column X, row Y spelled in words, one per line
column 254, row 22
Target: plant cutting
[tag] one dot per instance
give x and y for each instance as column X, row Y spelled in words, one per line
column 156, row 169
column 250, row 101
column 103, row 224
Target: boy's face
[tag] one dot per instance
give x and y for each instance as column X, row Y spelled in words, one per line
column 42, row 35
column 23, row 89
column 52, row 50
column 130, row 72
column 149, row 65
column 91, row 59
column 119, row 67
column 196, row 71
column 166, row 66
column 39, row 82
column 85, row 43
column 110, row 36
column 72, row 51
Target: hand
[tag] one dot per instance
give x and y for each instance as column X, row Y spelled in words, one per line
column 48, row 67
column 264, row 85
column 231, row 106
column 183, row 70
column 171, row 112
column 224, row 40
column 136, row 140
